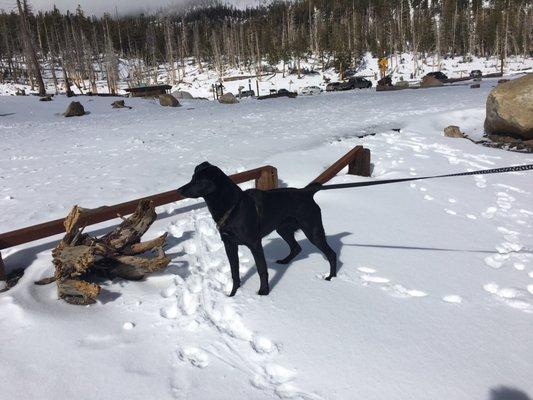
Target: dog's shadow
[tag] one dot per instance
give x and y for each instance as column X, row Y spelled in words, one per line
column 277, row 248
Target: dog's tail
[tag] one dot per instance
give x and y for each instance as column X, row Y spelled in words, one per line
column 314, row 187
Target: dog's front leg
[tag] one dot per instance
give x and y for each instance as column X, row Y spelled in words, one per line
column 260, row 262
column 232, row 251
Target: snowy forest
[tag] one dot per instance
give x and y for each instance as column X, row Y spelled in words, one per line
column 220, row 36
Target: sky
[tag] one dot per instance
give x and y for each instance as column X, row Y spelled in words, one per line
column 98, row 7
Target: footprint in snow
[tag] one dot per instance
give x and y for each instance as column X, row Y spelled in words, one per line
column 401, row 291
column 489, row 212
column 168, row 292
column 127, row 326
column 497, row 260
column 170, row 312
column 374, row 279
column 366, row 270
column 519, row 266
column 195, row 356
column 452, row 298
column 262, row 344
column 513, row 297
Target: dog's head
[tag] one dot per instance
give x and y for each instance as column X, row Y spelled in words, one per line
column 205, row 180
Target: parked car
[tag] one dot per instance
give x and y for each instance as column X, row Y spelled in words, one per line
column 476, row 74
column 247, row 93
column 280, row 93
column 332, row 87
column 357, row 83
column 438, row 75
column 350, row 84
column 310, row 90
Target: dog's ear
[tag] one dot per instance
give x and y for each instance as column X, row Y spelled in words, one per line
column 202, row 166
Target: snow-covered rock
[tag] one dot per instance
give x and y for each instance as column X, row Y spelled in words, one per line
column 167, row 100
column 510, row 108
column 228, row 98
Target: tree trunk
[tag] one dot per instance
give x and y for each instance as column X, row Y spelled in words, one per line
column 31, row 55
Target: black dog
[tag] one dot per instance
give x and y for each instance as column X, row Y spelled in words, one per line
column 245, row 217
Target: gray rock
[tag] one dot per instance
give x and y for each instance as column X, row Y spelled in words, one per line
column 509, row 109
column 475, row 86
column 453, row 131
column 75, row 109
column 119, row 104
column 228, row 98
column 167, row 100
column 182, row 95
column 48, row 97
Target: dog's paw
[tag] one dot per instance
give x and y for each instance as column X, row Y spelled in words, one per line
column 234, row 289
column 328, row 278
column 263, row 291
column 282, row 261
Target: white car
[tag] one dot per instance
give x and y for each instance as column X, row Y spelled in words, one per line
column 310, row 90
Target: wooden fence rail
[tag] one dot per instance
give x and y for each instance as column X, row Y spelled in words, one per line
column 357, row 160
column 265, row 178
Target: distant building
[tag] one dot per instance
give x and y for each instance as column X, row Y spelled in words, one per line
column 148, row 91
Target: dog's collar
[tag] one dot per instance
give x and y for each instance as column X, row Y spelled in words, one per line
column 222, row 221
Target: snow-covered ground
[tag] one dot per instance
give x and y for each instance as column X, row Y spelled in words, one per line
column 434, row 298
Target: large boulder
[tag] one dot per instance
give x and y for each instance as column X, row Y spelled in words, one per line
column 182, row 95
column 75, row 109
column 228, row 98
column 167, row 100
column 510, row 108
column 430, row 81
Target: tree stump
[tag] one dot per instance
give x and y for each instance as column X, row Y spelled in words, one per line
column 120, row 253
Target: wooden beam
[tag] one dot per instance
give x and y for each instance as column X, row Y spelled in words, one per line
column 337, row 167
column 40, row 231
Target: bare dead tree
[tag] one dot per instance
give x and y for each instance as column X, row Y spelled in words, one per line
column 29, row 48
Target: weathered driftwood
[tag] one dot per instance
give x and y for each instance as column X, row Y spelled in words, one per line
column 117, row 254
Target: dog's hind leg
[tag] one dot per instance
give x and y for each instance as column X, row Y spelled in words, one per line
column 260, row 262
column 314, row 230
column 287, row 233
column 232, row 251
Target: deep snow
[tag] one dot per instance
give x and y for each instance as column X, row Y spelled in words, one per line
column 434, row 297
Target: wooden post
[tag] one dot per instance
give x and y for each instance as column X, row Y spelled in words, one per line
column 2, row 273
column 365, row 164
column 268, row 179
column 360, row 164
